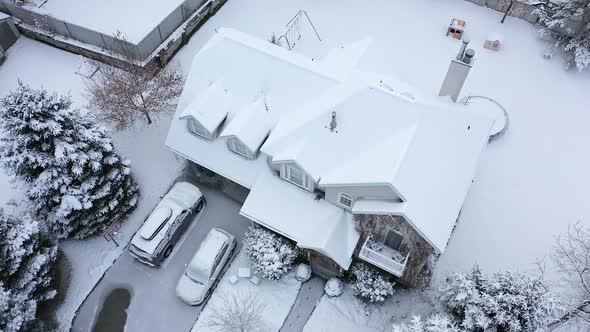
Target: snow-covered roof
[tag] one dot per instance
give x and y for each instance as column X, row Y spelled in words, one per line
column 386, row 133
column 250, row 125
column 426, row 154
column 292, row 211
column 3, row 16
column 345, row 58
column 284, row 78
column 209, row 107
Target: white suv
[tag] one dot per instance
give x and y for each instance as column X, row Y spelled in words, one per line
column 168, row 221
column 196, row 283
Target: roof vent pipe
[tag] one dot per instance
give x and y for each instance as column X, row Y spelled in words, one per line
column 462, row 49
column 468, row 56
column 333, row 123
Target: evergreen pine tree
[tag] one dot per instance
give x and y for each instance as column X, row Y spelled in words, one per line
column 27, row 258
column 568, row 22
column 75, row 179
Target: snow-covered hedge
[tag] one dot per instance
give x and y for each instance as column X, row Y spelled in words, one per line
column 434, row 323
column 508, row 301
column 333, row 287
column 270, row 254
column 27, row 260
column 370, row 284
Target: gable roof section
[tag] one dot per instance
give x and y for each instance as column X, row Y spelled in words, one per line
column 250, row 125
column 209, row 107
column 426, row 153
column 292, row 212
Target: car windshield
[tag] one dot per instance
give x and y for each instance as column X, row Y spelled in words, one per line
column 196, row 276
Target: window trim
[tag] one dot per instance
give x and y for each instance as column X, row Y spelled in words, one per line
column 384, row 234
column 303, row 176
column 193, row 123
column 346, row 196
column 235, row 143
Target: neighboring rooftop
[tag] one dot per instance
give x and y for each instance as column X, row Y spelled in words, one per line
column 135, row 19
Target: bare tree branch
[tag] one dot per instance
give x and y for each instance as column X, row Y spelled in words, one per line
column 237, row 312
column 571, row 254
column 121, row 95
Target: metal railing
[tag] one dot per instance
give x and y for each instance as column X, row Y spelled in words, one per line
column 293, row 29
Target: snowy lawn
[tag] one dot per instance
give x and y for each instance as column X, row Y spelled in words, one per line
column 347, row 313
column 153, row 166
column 276, row 296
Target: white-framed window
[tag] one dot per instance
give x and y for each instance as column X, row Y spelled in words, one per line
column 296, row 176
column 195, row 128
column 239, row 148
column 345, row 200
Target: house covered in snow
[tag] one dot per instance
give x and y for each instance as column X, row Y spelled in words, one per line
column 347, row 164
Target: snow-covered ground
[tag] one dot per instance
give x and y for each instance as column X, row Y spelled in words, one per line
column 153, row 165
column 111, row 16
column 530, row 185
column 347, row 313
column 277, row 297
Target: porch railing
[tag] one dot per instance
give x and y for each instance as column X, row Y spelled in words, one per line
column 384, row 257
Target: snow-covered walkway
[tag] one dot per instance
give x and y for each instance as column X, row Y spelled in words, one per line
column 310, row 293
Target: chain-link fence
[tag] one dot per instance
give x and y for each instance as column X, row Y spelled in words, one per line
column 141, row 50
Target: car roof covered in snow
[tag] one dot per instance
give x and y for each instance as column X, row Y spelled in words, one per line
column 181, row 196
column 201, row 264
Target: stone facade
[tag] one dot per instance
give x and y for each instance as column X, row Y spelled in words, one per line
column 420, row 250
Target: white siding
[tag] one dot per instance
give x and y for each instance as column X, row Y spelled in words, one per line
column 381, row 191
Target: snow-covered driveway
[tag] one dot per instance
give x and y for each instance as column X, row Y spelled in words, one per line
column 154, row 306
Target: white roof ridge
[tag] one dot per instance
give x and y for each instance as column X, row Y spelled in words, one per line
column 277, row 51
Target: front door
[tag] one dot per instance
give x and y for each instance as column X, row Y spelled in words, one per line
column 7, row 36
column 322, row 265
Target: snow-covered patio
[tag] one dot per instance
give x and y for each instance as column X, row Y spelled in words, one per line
column 531, row 182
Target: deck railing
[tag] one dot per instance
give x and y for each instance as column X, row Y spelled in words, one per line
column 383, row 257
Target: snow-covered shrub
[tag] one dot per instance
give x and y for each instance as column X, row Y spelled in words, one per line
column 303, row 272
column 333, row 287
column 568, row 23
column 76, row 181
column 270, row 254
column 27, row 259
column 434, row 323
column 370, row 284
column 509, row 301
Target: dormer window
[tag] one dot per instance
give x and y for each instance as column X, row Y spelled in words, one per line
column 345, row 200
column 239, row 148
column 296, row 176
column 197, row 129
